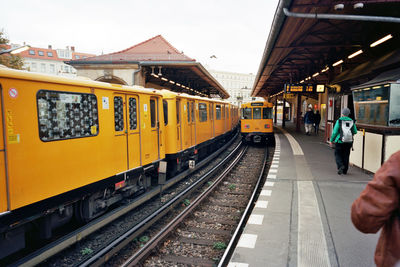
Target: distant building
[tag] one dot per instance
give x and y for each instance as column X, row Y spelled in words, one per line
column 238, row 85
column 51, row 61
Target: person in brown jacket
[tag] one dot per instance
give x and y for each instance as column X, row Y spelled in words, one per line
column 378, row 207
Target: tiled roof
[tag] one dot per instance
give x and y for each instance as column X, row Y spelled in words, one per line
column 154, row 49
column 45, row 55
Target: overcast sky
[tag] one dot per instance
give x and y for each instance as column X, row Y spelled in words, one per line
column 235, row 31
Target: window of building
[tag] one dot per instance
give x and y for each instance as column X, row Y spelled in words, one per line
column 40, row 53
column 118, row 113
column 153, row 113
column 50, row 54
column 77, row 57
column 34, row 66
column 132, row 113
column 52, row 68
column 165, row 108
column 218, row 112
column 31, row 52
column 61, row 53
column 202, row 112
column 43, row 67
column 64, row 115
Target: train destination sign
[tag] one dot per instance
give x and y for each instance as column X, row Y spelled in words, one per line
column 304, row 88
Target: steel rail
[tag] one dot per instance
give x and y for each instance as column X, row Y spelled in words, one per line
column 135, row 259
column 107, row 252
column 62, row 243
column 249, row 208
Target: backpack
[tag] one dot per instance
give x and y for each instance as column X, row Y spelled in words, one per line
column 346, row 136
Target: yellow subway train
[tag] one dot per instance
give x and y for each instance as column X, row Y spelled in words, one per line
column 73, row 147
column 256, row 123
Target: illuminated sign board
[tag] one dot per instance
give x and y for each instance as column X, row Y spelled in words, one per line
column 257, row 104
column 304, row 88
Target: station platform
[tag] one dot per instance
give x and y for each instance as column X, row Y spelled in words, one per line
column 302, row 216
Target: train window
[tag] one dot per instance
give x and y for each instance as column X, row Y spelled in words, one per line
column 256, row 113
column 246, row 113
column 211, row 112
column 178, row 111
column 192, row 111
column 267, row 113
column 132, row 113
column 118, row 113
column 218, row 112
column 202, row 112
column 64, row 115
column 227, row 112
column 223, row 112
column 188, row 112
column 153, row 113
column 165, row 108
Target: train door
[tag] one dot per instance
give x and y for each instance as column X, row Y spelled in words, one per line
column 120, row 131
column 4, row 196
column 178, row 125
column 133, row 131
column 211, row 107
column 192, row 124
column 155, row 129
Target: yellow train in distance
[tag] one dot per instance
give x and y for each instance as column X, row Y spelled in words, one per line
column 72, row 147
column 256, row 123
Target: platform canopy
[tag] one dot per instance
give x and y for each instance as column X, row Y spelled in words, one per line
column 161, row 64
column 308, row 37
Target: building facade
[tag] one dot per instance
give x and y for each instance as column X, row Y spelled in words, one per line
column 238, row 85
column 51, row 61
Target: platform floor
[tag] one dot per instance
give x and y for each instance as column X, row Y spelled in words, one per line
column 302, row 216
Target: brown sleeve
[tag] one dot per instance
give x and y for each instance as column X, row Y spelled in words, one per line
column 379, row 199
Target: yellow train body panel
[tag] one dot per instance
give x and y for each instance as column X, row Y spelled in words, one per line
column 38, row 169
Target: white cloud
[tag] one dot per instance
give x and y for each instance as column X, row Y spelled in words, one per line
column 235, row 31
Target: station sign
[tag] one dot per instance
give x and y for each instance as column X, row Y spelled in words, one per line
column 304, row 88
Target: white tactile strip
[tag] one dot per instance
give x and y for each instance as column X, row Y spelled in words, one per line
column 237, row 264
column 247, row 241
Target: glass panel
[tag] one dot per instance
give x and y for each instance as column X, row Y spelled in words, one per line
column 394, row 115
column 188, row 111
column 246, row 113
column 218, row 112
column 178, row 111
column 118, row 113
column 132, row 113
column 267, row 113
column 202, row 112
column 211, row 112
column 165, row 108
column 256, row 113
column 192, row 111
column 66, row 115
column 153, row 113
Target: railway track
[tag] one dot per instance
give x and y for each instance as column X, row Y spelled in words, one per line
column 85, row 241
column 205, row 232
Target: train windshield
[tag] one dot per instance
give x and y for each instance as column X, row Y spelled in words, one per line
column 256, row 113
column 267, row 113
column 246, row 113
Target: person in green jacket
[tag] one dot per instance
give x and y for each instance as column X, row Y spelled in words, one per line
column 342, row 136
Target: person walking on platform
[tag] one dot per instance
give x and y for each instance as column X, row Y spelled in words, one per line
column 342, row 136
column 317, row 120
column 308, row 121
column 378, row 207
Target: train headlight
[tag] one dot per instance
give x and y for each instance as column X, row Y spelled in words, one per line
column 247, row 126
column 266, row 126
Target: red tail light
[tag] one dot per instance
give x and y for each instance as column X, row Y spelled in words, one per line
column 247, row 126
column 267, row 126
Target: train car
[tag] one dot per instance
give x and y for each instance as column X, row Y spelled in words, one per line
column 256, row 123
column 191, row 129
column 73, row 147
column 73, row 144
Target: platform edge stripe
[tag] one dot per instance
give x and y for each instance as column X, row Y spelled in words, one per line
column 293, row 143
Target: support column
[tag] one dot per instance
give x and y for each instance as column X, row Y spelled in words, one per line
column 276, row 110
column 283, row 111
column 298, row 111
